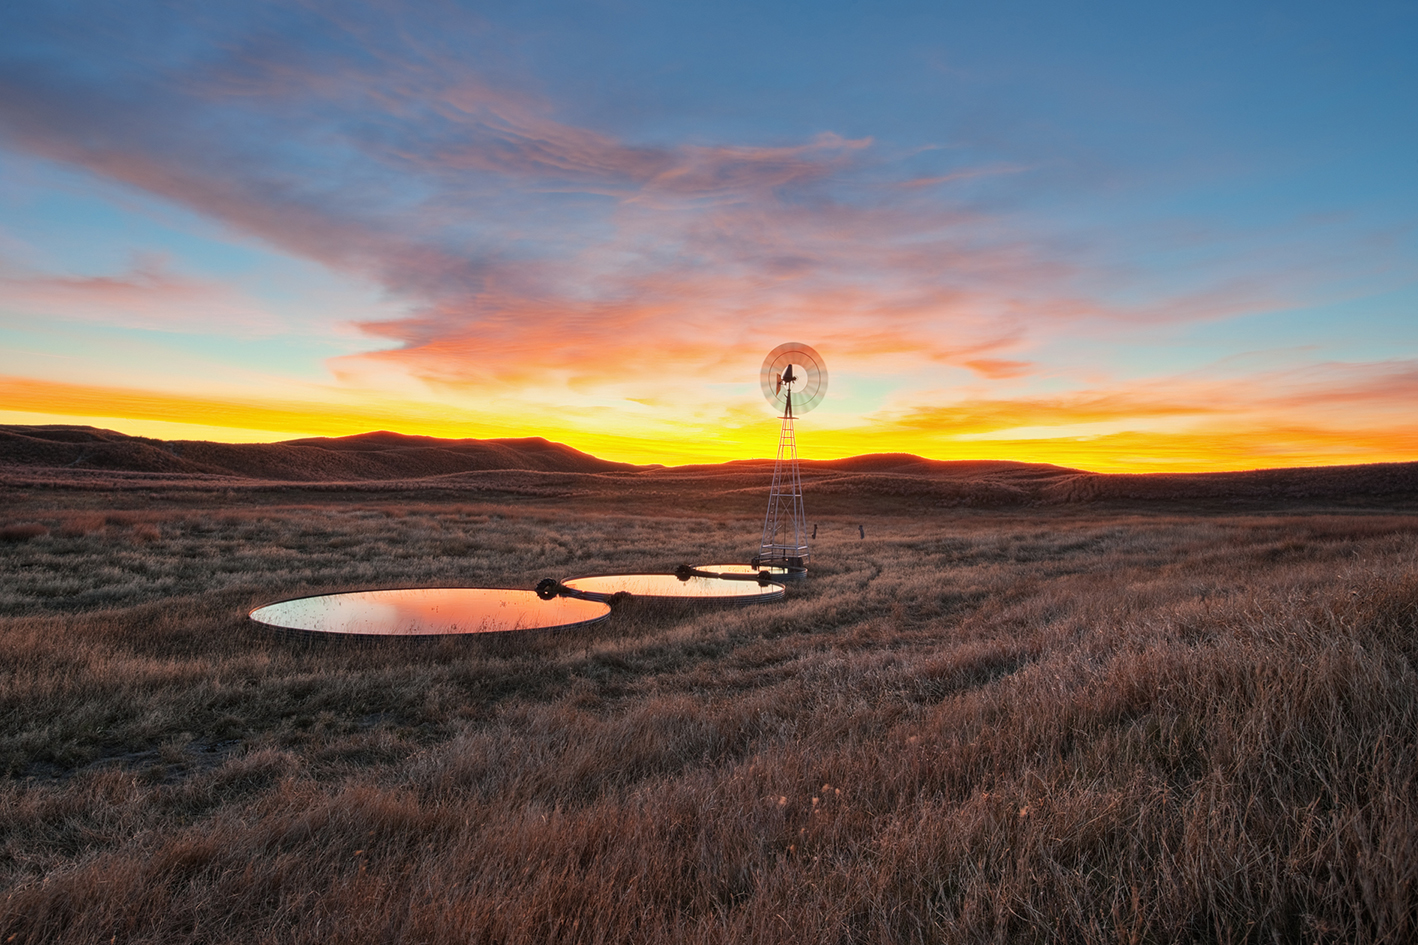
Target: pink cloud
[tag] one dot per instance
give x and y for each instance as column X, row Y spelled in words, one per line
column 149, row 295
column 1336, row 396
column 450, row 192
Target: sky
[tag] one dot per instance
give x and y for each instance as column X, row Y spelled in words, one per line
column 1128, row 237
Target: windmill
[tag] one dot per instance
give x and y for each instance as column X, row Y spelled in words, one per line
column 794, row 380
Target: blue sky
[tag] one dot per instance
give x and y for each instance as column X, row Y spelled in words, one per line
column 1117, row 236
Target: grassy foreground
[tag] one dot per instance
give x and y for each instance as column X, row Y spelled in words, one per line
column 1053, row 726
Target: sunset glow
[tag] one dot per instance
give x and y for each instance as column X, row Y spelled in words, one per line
column 1177, row 241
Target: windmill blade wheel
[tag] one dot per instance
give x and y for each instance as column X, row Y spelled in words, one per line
column 793, row 371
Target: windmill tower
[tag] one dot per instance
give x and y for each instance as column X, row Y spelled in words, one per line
column 794, row 380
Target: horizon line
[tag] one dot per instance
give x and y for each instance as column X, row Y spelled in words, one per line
column 654, row 465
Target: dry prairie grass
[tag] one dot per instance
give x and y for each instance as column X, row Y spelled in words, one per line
column 22, row 531
column 967, row 727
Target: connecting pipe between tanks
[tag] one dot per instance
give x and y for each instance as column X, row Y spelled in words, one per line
column 551, row 588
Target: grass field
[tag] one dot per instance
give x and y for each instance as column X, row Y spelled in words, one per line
column 1051, row 725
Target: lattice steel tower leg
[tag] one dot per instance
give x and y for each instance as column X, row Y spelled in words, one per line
column 784, row 542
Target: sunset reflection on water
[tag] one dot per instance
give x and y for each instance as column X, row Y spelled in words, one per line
column 428, row 611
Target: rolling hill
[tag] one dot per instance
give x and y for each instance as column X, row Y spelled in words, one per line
column 537, row 468
column 368, row 456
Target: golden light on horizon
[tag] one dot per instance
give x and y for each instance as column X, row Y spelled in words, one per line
column 987, row 433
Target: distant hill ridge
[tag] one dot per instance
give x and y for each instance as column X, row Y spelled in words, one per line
column 535, row 466
column 366, row 456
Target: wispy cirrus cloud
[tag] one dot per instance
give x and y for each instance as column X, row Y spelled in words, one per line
column 1318, row 394
column 454, row 195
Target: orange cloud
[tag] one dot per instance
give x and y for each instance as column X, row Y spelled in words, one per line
column 306, row 418
column 997, row 368
column 1328, row 413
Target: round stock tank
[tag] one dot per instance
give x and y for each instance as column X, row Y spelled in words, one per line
column 428, row 612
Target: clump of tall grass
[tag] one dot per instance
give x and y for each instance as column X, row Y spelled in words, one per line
column 145, row 532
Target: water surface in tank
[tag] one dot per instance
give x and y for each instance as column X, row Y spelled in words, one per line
column 429, row 611
column 671, row 586
column 774, row 574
